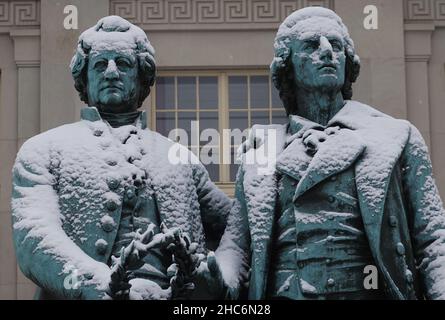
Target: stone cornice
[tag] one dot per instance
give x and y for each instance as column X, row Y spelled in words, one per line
column 424, row 12
column 209, row 14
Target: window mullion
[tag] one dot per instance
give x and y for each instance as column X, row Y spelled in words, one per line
column 223, row 115
column 176, row 103
column 249, row 117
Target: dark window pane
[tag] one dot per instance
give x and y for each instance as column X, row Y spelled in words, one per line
column 208, row 92
column 233, row 171
column 259, row 91
column 213, row 170
column 279, row 117
column 276, row 101
column 165, row 93
column 238, row 92
column 238, row 120
column 209, row 157
column 185, row 122
column 260, row 117
column 165, row 122
column 208, row 120
column 186, row 93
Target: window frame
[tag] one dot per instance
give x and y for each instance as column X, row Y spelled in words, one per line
column 223, row 105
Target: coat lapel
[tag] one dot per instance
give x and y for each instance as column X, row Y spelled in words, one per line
column 294, row 160
column 385, row 139
column 335, row 155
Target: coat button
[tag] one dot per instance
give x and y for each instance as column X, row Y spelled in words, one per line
column 130, row 194
column 101, row 246
column 331, row 282
column 333, row 178
column 331, row 199
column 107, row 223
column 113, row 184
column 409, row 276
column 111, row 205
column 400, row 249
column 392, row 221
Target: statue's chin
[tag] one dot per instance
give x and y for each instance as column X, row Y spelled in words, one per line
column 112, row 100
column 114, row 104
column 329, row 83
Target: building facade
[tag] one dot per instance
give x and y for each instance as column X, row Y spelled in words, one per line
column 213, row 58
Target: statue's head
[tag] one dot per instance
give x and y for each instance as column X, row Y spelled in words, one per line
column 114, row 66
column 313, row 51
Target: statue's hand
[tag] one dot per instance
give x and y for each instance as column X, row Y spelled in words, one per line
column 143, row 289
column 186, row 260
column 210, row 278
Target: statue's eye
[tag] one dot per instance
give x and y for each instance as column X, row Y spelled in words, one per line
column 123, row 64
column 311, row 45
column 100, row 65
column 337, row 45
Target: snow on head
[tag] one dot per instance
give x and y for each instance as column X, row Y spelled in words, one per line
column 311, row 21
column 117, row 34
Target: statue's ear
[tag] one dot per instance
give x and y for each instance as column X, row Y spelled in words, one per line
column 148, row 67
column 77, row 64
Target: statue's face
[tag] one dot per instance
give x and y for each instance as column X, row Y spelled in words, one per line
column 113, row 81
column 319, row 59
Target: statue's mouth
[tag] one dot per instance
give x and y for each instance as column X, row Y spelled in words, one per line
column 112, row 86
column 328, row 66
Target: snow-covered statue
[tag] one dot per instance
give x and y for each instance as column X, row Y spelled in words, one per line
column 99, row 211
column 350, row 209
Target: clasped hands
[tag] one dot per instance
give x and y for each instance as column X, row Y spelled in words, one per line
column 188, row 268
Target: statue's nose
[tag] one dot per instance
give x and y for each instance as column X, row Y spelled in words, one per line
column 325, row 47
column 111, row 72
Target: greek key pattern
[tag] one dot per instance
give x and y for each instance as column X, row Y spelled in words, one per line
column 424, row 10
column 19, row 13
column 215, row 14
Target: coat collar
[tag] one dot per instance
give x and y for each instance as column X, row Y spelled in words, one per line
column 335, row 155
column 93, row 115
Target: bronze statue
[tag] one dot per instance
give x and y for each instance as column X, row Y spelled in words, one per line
column 351, row 188
column 99, row 210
